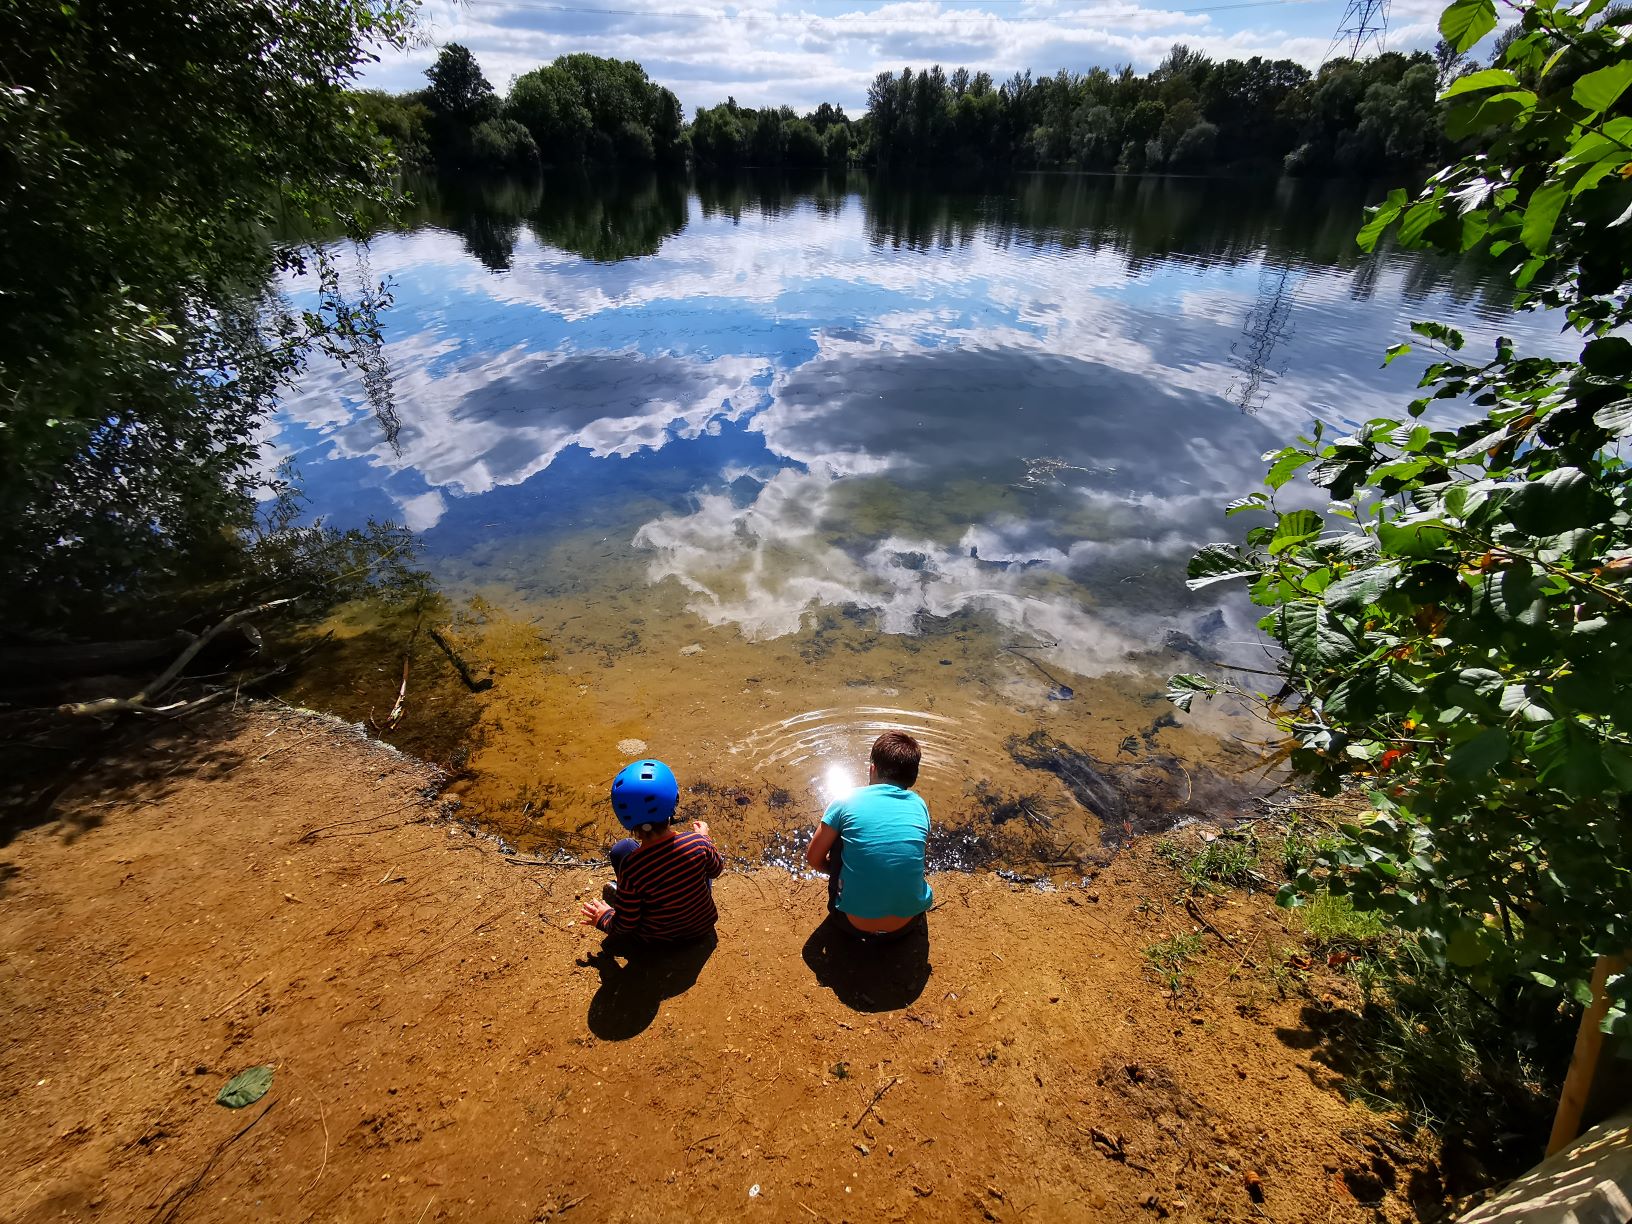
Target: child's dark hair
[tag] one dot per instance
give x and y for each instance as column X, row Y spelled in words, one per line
column 896, row 757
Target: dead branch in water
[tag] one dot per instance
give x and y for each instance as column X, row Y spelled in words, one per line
column 459, row 665
column 407, row 655
column 141, row 703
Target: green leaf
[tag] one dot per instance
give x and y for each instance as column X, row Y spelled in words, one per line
column 1476, row 757
column 1467, row 947
column 1314, row 637
column 245, row 1088
column 1294, row 528
column 1598, row 91
column 1541, row 214
column 1467, row 21
column 1616, row 418
column 1357, row 589
column 1182, row 689
column 1417, row 220
column 1609, row 356
column 1252, row 501
column 1481, row 680
column 1287, row 466
column 1487, row 113
column 1559, row 501
column 1490, row 78
column 1380, row 218
column 1411, row 539
column 1218, row 563
column 1395, row 350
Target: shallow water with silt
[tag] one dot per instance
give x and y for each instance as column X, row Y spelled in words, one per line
column 741, row 474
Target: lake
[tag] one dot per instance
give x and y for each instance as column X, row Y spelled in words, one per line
column 738, row 474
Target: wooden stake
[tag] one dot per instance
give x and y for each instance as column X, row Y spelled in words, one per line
column 1587, row 1062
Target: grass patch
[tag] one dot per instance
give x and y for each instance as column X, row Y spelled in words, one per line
column 1224, row 861
column 1481, row 1072
column 1169, row 957
column 1333, row 923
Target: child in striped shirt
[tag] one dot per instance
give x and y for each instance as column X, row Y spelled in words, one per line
column 664, row 890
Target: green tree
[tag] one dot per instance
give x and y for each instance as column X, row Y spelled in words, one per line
column 503, row 144
column 546, row 102
column 146, row 149
column 1457, row 627
column 458, row 89
column 402, row 119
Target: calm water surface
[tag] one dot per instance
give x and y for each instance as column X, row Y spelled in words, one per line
column 740, row 474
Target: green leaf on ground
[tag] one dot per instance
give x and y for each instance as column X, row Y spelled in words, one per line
column 246, row 1087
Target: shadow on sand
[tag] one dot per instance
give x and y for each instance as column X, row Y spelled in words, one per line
column 632, row 991
column 869, row 977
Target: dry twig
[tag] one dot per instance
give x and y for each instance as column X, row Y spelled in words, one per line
column 877, row 1097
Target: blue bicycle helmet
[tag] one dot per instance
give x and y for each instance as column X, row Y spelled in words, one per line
column 645, row 793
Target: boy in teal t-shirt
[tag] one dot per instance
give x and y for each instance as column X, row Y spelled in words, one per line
column 871, row 844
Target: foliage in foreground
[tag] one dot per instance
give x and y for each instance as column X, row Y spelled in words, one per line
column 1455, row 628
column 146, row 148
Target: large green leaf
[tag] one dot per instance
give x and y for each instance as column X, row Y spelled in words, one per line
column 1355, row 590
column 1557, row 502
column 1218, row 563
column 1467, row 21
column 1541, row 215
column 1490, row 78
column 1316, row 638
column 1474, row 758
column 1294, row 528
column 1487, row 112
column 1285, row 467
column 1598, row 91
column 1616, row 417
column 245, row 1088
column 1380, row 218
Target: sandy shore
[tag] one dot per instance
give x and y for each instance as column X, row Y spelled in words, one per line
column 274, row 888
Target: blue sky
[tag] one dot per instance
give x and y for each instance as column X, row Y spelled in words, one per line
column 802, row 52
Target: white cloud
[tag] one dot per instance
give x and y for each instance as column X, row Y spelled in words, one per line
column 802, row 52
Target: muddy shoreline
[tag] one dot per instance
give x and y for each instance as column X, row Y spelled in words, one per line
column 271, row 887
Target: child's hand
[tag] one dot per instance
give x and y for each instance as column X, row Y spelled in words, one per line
column 594, row 911
column 700, row 826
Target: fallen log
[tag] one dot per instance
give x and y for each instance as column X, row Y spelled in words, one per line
column 142, row 702
column 43, row 663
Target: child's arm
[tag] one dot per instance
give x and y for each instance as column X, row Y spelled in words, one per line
column 620, row 921
column 716, row 861
column 820, row 844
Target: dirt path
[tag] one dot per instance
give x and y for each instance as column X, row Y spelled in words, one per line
column 273, row 888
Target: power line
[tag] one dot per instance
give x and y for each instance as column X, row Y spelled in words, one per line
column 1364, row 22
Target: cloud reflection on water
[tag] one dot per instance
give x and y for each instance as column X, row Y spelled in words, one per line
column 900, row 395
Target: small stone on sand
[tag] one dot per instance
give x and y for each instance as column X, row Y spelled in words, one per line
column 632, row 747
column 693, row 649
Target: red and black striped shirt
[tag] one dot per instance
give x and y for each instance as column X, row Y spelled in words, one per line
column 664, row 890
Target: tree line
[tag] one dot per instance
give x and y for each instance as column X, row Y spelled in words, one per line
column 1191, row 113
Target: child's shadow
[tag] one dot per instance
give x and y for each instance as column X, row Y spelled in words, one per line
column 869, row 977
column 632, row 992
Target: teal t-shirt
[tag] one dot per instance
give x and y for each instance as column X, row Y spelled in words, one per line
column 884, row 834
